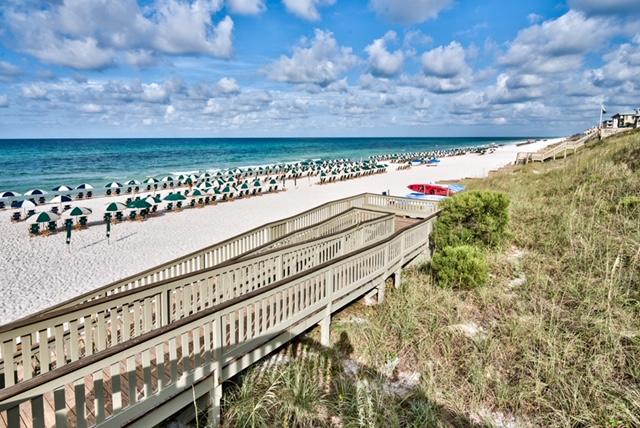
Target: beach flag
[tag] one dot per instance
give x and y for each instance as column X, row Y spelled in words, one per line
column 604, row 110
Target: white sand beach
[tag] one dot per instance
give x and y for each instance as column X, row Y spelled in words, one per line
column 41, row 271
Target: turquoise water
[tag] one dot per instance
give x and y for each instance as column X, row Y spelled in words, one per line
column 26, row 164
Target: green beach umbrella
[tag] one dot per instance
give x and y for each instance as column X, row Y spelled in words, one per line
column 79, row 211
column 45, row 217
column 172, row 197
column 115, row 207
column 196, row 193
column 139, row 204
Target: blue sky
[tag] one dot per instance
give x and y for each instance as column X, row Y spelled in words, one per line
column 169, row 68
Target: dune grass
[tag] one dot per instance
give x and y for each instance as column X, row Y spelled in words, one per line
column 552, row 340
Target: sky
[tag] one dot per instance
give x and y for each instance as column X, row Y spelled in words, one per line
column 262, row 68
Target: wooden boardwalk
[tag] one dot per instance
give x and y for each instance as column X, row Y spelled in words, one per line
column 142, row 354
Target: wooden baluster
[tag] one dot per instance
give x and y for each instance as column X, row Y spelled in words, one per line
column 116, row 388
column 37, row 412
column 98, row 400
column 60, row 406
column 44, row 353
column 146, row 373
column 27, row 362
column 59, row 341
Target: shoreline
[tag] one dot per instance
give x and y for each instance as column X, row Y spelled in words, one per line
column 46, row 267
column 71, row 169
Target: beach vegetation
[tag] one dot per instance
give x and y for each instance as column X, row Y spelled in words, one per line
column 462, row 266
column 553, row 340
column 472, row 218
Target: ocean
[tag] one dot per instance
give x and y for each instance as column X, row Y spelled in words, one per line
column 44, row 164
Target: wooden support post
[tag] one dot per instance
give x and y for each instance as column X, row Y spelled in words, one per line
column 397, row 279
column 325, row 327
column 380, row 289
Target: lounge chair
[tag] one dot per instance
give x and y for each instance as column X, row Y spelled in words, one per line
column 129, row 200
column 69, row 221
column 170, row 206
column 66, row 208
column 132, row 215
column 109, row 192
column 52, row 226
column 89, row 195
column 129, row 189
column 54, row 210
column 83, row 221
column 34, row 229
column 30, row 213
column 119, row 216
column 2, row 205
column 192, row 203
column 179, row 205
column 154, row 208
column 41, row 200
column 106, row 217
column 81, row 195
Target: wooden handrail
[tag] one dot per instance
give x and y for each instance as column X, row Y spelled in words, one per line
column 154, row 305
column 216, row 323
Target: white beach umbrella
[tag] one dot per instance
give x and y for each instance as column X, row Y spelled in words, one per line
column 133, row 183
column 84, row 186
column 167, row 178
column 24, row 205
column 35, row 192
column 61, row 188
column 151, row 180
column 113, row 185
column 5, row 195
column 60, row 199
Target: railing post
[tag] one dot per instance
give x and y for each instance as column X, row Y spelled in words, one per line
column 325, row 323
column 397, row 279
column 215, row 395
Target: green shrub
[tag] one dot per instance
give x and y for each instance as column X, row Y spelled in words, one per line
column 473, row 218
column 463, row 266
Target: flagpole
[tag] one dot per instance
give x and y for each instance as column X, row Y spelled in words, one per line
column 600, row 123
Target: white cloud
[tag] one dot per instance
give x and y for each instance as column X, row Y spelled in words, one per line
column 4, row 101
column 319, row 61
column 247, row 7
column 306, row 9
column 89, row 34
column 154, row 93
column 212, row 107
column 621, row 66
column 445, row 61
column 8, row 69
column 227, row 85
column 409, row 11
column 169, row 112
column 34, row 92
column 509, row 91
column 534, row 18
column 557, row 45
column 91, row 108
column 381, row 61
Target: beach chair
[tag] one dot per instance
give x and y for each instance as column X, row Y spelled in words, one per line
column 154, row 209
column 136, row 189
column 106, row 217
column 132, row 215
column 143, row 215
column 89, row 195
column 129, row 189
column 81, row 195
column 207, row 200
column 179, row 205
column 109, row 192
column 2, row 205
column 66, row 208
column 34, row 230
column 83, row 221
column 170, row 206
column 192, row 203
column 41, row 200
column 119, row 216
column 67, row 222
column 129, row 200
column 30, row 213
column 52, row 226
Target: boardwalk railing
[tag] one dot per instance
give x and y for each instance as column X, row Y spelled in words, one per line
column 253, row 239
column 36, row 345
column 145, row 379
column 560, row 150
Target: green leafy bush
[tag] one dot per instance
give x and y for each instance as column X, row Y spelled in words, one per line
column 473, row 218
column 462, row 266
